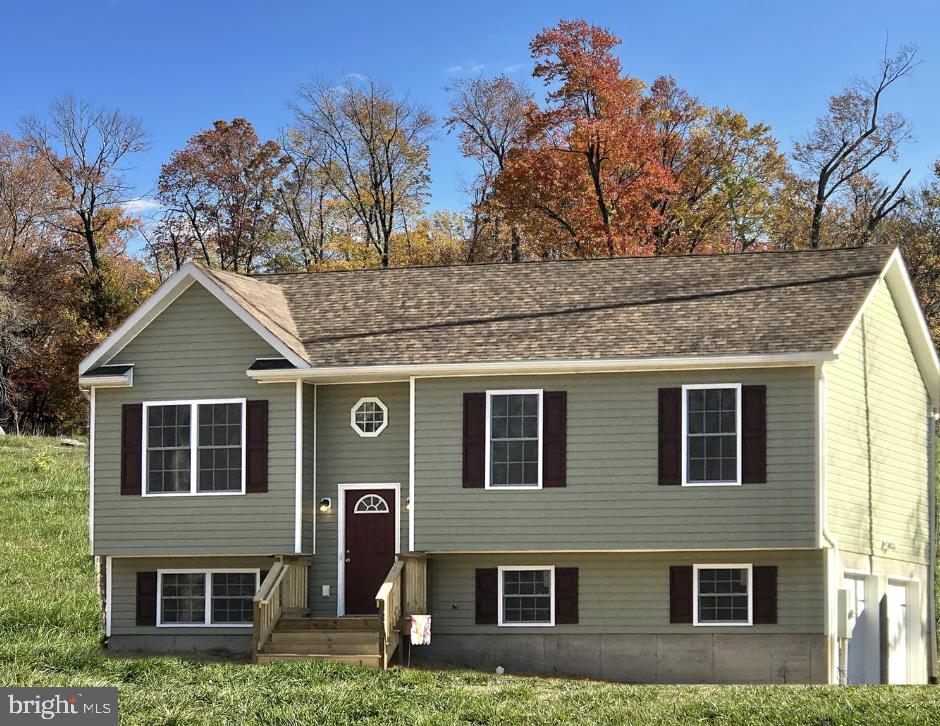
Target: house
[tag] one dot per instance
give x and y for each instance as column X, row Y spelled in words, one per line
column 685, row 469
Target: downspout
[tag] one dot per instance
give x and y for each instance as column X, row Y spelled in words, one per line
column 932, row 539
column 825, row 535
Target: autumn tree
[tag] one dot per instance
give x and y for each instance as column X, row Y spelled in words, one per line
column 84, row 149
column 591, row 166
column 221, row 184
column 846, row 144
column 489, row 117
column 372, row 150
column 27, row 196
column 727, row 171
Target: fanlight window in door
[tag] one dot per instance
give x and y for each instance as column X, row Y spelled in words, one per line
column 371, row 504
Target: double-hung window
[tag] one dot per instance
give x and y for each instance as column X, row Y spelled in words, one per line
column 526, row 596
column 711, row 434
column 723, row 595
column 197, row 597
column 194, row 447
column 514, row 439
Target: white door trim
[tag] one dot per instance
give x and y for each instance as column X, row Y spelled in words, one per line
column 341, row 535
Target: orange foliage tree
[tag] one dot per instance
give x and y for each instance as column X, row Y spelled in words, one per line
column 590, row 167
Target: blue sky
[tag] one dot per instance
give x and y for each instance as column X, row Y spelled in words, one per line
column 181, row 65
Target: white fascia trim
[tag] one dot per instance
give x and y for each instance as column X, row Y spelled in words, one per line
column 171, row 289
column 124, row 380
column 548, row 367
column 299, row 467
column 896, row 276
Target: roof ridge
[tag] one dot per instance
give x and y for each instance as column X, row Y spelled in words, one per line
column 885, row 248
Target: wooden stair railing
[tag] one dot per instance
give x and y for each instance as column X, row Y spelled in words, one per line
column 284, row 590
column 402, row 594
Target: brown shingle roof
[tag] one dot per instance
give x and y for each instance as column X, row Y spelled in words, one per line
column 639, row 307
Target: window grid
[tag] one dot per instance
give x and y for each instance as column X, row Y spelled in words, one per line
column 190, row 449
column 369, row 417
column 712, row 434
column 207, row 598
column 514, row 439
column 232, row 597
column 526, row 596
column 168, row 448
column 183, row 597
column 723, row 596
column 220, row 450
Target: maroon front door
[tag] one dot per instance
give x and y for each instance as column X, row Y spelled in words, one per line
column 370, row 546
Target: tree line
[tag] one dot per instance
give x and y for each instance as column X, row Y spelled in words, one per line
column 594, row 163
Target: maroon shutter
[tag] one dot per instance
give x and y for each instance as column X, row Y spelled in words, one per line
column 765, row 595
column 680, row 594
column 487, row 595
column 566, row 595
column 474, row 440
column 670, row 435
column 146, row 598
column 256, row 447
column 132, row 422
column 554, row 438
column 754, row 434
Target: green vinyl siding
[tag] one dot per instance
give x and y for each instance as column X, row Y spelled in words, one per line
column 628, row 593
column 195, row 349
column 124, row 590
column 612, row 499
column 344, row 457
column 877, row 440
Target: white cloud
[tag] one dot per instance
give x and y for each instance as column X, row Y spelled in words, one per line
column 141, row 205
column 470, row 68
column 512, row 68
column 357, row 77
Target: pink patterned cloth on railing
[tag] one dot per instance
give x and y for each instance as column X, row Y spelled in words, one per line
column 420, row 629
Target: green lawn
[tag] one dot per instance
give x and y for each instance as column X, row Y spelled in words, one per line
column 50, row 632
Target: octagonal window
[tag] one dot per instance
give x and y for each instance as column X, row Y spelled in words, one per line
column 369, row 417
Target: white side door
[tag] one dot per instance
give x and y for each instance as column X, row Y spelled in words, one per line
column 897, row 633
column 858, row 646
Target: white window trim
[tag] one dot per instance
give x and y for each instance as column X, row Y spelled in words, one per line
column 685, row 434
column 489, row 444
column 208, row 611
column 750, row 595
column 193, row 447
column 352, row 417
column 515, row 568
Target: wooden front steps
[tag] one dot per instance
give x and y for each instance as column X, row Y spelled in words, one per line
column 352, row 640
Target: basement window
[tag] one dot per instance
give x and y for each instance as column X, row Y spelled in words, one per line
column 219, row 598
column 723, row 595
column 526, row 596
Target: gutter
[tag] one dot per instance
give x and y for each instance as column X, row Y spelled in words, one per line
column 402, row 372
column 932, row 543
column 822, row 510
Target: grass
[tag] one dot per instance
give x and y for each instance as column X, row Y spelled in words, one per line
column 50, row 630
